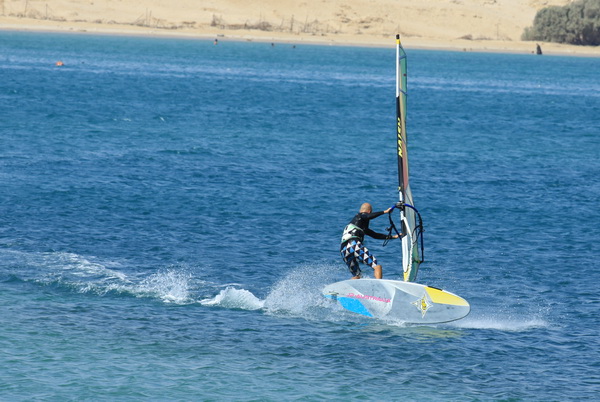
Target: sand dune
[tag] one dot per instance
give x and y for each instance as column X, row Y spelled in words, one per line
column 492, row 25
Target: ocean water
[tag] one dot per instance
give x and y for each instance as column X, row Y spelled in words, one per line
column 171, row 209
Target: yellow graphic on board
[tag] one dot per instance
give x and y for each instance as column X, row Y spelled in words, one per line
column 441, row 297
column 423, row 304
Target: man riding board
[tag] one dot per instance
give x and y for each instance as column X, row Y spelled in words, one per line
column 352, row 249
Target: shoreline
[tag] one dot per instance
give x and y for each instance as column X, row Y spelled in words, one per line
column 17, row 24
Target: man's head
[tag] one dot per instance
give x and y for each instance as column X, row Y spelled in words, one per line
column 366, row 208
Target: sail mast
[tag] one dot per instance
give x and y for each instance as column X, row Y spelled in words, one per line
column 411, row 258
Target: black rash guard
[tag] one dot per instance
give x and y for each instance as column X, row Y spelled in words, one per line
column 361, row 220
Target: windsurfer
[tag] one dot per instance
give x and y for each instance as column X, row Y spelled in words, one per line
column 352, row 249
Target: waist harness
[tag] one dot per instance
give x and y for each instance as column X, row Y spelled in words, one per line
column 352, row 232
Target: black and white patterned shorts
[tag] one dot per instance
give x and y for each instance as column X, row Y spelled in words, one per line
column 354, row 252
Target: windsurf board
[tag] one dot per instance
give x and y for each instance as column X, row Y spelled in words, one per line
column 408, row 302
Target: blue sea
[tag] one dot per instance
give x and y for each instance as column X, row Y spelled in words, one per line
column 171, row 209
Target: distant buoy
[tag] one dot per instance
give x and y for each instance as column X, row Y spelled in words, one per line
column 59, row 63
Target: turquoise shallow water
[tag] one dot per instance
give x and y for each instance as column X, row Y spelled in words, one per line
column 171, row 210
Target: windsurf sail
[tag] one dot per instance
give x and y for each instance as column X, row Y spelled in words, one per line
column 412, row 226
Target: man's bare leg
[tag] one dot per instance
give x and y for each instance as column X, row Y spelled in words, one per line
column 378, row 271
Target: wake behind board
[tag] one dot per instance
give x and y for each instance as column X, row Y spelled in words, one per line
column 408, row 302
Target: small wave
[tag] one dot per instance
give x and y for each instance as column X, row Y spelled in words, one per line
column 60, row 267
column 299, row 290
column 81, row 266
column 84, row 274
column 501, row 323
column 298, row 294
column 235, row 298
column 171, row 286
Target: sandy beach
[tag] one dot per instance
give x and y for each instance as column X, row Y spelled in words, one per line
column 463, row 25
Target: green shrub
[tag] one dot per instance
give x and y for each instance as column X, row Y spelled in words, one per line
column 577, row 23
